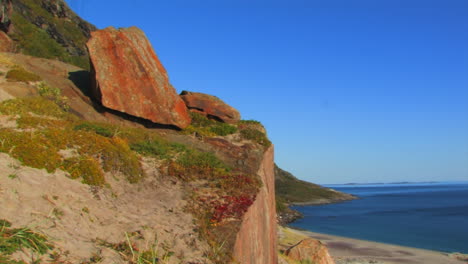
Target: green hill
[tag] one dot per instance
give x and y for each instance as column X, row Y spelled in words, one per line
column 47, row 29
column 290, row 190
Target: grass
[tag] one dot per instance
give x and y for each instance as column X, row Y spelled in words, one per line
column 19, row 74
column 17, row 239
column 256, row 136
column 208, row 127
column 37, row 42
column 155, row 253
column 98, row 129
column 158, row 148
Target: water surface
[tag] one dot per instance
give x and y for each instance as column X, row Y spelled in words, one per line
column 432, row 216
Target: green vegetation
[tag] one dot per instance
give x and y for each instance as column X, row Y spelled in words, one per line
column 249, row 122
column 154, row 254
column 158, row 148
column 35, row 41
column 53, row 130
column 19, row 74
column 208, row 127
column 17, row 239
column 289, row 189
column 96, row 128
column 256, row 136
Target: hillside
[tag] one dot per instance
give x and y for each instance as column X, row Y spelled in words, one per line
column 110, row 164
column 47, row 29
column 292, row 191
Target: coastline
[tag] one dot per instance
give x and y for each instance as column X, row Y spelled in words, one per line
column 346, row 250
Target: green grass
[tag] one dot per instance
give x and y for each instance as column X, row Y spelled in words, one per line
column 256, row 136
column 158, row 148
column 208, row 127
column 35, row 41
column 96, row 128
column 17, row 239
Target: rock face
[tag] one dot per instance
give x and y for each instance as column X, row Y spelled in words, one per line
column 310, row 250
column 210, row 106
column 256, row 242
column 5, row 14
column 128, row 77
column 6, row 44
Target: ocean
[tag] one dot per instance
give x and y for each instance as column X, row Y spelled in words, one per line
column 431, row 216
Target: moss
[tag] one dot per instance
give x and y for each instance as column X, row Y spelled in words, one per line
column 256, row 136
column 21, row 75
column 36, row 105
column 85, row 167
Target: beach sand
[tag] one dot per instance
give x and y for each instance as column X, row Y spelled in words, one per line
column 354, row 251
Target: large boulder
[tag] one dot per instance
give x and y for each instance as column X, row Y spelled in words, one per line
column 210, row 106
column 127, row 76
column 310, row 250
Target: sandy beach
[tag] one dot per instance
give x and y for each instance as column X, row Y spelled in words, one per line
column 354, row 251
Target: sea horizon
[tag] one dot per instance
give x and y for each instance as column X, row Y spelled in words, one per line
column 426, row 215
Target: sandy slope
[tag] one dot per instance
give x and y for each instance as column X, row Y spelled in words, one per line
column 73, row 215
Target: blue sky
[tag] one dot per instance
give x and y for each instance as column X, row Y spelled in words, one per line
column 350, row 91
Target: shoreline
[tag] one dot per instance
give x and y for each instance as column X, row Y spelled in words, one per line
column 346, row 250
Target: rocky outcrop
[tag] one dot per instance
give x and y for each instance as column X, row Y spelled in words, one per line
column 6, row 44
column 256, row 242
column 128, row 77
column 310, row 250
column 47, row 29
column 210, row 106
column 5, row 14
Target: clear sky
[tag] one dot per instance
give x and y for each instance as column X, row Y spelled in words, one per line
column 350, row 91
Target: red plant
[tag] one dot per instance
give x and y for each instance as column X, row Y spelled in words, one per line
column 232, row 207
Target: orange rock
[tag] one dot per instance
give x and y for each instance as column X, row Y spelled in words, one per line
column 310, row 249
column 6, row 44
column 129, row 78
column 256, row 241
column 210, row 106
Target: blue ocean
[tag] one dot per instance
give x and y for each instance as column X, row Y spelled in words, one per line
column 431, row 216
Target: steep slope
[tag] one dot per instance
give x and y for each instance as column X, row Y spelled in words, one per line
column 47, row 29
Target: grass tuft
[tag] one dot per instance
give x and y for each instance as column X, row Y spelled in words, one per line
column 17, row 239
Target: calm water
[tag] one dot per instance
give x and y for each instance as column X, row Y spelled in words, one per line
column 430, row 216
